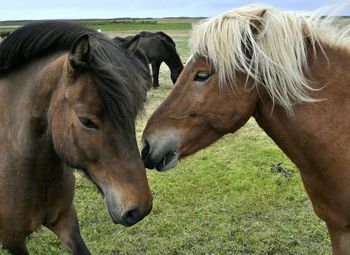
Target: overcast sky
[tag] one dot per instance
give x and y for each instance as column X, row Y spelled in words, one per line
column 75, row 9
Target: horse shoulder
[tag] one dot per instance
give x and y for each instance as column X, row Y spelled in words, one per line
column 152, row 47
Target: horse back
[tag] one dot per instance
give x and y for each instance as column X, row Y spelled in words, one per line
column 153, row 48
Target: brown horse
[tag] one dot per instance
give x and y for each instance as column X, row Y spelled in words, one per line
column 69, row 98
column 291, row 73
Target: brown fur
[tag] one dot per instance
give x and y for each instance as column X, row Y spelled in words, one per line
column 316, row 138
column 41, row 134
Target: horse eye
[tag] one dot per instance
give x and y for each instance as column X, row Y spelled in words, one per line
column 202, row 76
column 87, row 123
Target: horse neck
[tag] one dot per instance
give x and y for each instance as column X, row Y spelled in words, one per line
column 313, row 126
column 174, row 61
column 45, row 82
column 33, row 86
column 26, row 95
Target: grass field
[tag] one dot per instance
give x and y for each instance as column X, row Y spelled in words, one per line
column 141, row 26
column 127, row 25
column 225, row 199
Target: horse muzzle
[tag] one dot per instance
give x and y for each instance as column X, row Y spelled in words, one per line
column 127, row 216
column 160, row 153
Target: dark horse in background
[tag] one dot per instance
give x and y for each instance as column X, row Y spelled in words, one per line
column 157, row 47
column 69, row 99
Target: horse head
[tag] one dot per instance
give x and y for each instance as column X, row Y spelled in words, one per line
column 195, row 114
column 92, row 121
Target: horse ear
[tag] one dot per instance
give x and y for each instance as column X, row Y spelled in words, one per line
column 257, row 24
column 79, row 55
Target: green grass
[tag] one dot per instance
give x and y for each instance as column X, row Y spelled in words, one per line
column 223, row 200
column 5, row 29
column 141, row 26
column 132, row 26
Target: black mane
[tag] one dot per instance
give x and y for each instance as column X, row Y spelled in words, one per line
column 121, row 79
column 161, row 35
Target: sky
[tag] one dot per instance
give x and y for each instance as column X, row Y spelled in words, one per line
column 77, row 9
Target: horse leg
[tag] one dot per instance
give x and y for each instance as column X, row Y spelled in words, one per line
column 15, row 244
column 340, row 239
column 155, row 73
column 67, row 230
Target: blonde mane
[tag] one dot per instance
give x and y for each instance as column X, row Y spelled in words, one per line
column 269, row 45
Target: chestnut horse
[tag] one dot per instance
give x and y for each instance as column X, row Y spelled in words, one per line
column 292, row 74
column 69, row 99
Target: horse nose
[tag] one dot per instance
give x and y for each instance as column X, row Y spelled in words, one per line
column 161, row 152
column 146, row 156
column 133, row 215
column 145, row 149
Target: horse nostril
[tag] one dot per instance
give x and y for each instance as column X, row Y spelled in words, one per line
column 146, row 157
column 131, row 216
column 145, row 150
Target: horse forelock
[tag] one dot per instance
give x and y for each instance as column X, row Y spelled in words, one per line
column 121, row 81
column 267, row 44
